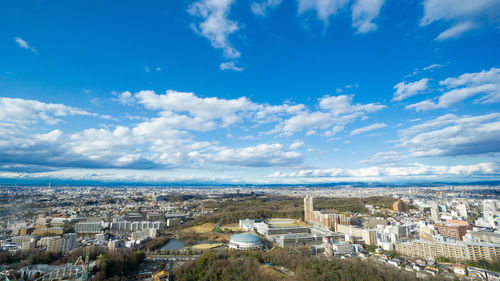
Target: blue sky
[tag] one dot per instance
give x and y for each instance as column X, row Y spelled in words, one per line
column 236, row 91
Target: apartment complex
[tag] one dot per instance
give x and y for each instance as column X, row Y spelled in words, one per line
column 88, row 227
column 452, row 231
column 326, row 220
column 453, row 250
column 128, row 226
column 369, row 236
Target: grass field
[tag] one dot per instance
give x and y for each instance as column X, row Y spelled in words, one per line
column 201, row 228
column 205, row 246
column 233, row 227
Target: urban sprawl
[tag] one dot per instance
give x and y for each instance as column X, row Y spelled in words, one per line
column 67, row 232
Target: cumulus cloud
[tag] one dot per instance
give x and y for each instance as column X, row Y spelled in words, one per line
column 297, row 145
column 161, row 141
column 405, row 89
column 457, row 89
column 342, row 104
column 335, row 113
column 215, row 25
column 228, row 111
column 262, row 155
column 23, row 44
column 451, row 135
column 368, row 128
column 230, row 65
column 464, row 15
column 261, row 8
column 126, row 98
column 21, row 111
column 412, row 170
column 363, row 14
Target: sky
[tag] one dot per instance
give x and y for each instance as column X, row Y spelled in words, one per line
column 250, row 91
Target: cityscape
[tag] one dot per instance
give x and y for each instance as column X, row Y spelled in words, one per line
column 250, row 140
column 71, row 232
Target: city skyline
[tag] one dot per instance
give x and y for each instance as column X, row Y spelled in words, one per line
column 257, row 92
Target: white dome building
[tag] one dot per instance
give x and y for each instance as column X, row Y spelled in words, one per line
column 245, row 242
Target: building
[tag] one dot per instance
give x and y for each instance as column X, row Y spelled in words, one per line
column 458, row 250
column 326, row 220
column 298, row 240
column 473, row 236
column 460, row 269
column 128, row 226
column 369, row 236
column 88, row 227
column 452, row 231
column 435, row 213
column 28, row 245
column 154, row 216
column 115, row 244
column 68, row 242
column 245, row 242
column 21, row 239
column 400, row 206
column 343, row 248
column 48, row 231
column 308, row 208
column 54, row 244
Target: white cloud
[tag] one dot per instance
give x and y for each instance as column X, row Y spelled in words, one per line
column 368, row 128
column 342, row 104
column 21, row 111
column 412, row 170
column 262, row 8
column 451, row 135
column 228, row 111
column 433, row 66
column 296, row 145
column 262, row 155
column 363, row 14
column 462, row 14
column 405, row 90
column 230, row 65
column 337, row 111
column 323, row 8
column 215, row 24
column 486, row 82
column 126, row 98
column 23, row 44
column 456, row 30
column 168, row 139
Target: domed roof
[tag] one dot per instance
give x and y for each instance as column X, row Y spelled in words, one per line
column 245, row 238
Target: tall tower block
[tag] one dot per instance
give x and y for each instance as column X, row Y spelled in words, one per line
column 308, row 208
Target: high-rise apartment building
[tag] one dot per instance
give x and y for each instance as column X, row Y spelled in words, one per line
column 308, row 208
column 326, row 220
column 400, row 206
